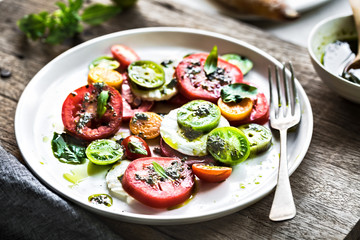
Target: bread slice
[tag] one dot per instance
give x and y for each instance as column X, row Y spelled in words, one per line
column 268, row 9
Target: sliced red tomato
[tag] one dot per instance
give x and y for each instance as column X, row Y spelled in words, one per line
column 124, row 55
column 259, row 114
column 167, row 151
column 143, row 182
column 79, row 112
column 135, row 147
column 195, row 84
column 132, row 104
column 211, row 173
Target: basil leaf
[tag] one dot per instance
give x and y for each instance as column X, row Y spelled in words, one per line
column 241, row 62
column 34, row 25
column 99, row 13
column 137, row 147
column 67, row 151
column 211, row 61
column 101, row 103
column 237, row 92
column 159, row 170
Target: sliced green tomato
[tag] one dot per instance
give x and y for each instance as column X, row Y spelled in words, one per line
column 228, row 145
column 164, row 92
column 258, row 136
column 104, row 152
column 197, row 117
column 105, row 62
column 146, row 74
column 241, row 62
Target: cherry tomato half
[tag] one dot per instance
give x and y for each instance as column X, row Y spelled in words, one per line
column 259, row 113
column 79, row 112
column 159, row 189
column 211, row 173
column 135, row 147
column 124, row 55
column 195, row 84
column 131, row 103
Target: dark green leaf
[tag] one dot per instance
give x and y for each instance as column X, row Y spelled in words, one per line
column 102, row 102
column 75, row 5
column 66, row 151
column 211, row 61
column 33, row 25
column 159, row 170
column 99, row 13
column 241, row 62
column 237, row 92
column 137, row 147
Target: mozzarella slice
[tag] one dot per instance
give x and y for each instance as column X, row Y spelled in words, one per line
column 171, row 134
column 114, row 184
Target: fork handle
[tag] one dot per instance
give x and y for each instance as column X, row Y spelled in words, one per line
column 283, row 206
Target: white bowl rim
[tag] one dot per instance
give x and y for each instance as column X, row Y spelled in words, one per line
column 311, row 36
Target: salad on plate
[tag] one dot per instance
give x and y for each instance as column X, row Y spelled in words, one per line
column 163, row 127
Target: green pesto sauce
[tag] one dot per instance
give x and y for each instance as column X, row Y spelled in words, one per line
column 101, row 199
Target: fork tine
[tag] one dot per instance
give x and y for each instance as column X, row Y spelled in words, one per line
column 286, row 91
column 296, row 111
column 280, row 103
column 272, row 101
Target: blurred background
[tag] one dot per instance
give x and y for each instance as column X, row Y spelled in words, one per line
column 296, row 31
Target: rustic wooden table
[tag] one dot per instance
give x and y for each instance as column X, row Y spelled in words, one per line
column 326, row 186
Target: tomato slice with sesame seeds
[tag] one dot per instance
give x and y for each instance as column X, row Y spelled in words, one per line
column 195, row 84
column 80, row 112
column 158, row 182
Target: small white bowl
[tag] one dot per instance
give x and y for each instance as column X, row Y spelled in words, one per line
column 325, row 32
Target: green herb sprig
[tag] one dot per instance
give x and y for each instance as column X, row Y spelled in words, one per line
column 102, row 100
column 160, row 170
column 211, row 61
column 66, row 22
column 236, row 92
column 137, row 147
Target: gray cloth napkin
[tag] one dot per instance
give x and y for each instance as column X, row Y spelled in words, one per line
column 28, row 210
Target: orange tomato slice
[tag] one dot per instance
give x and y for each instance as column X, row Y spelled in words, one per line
column 211, row 173
column 236, row 111
column 145, row 124
column 108, row 76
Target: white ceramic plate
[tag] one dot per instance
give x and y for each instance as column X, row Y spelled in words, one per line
column 38, row 115
column 212, row 7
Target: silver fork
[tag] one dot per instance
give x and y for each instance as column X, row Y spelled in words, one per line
column 284, row 113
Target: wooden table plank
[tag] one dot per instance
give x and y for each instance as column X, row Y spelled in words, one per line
column 326, row 186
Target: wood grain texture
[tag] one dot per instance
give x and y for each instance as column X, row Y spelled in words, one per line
column 326, row 186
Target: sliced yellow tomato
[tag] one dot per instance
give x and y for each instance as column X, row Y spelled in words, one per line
column 236, row 111
column 108, row 76
column 145, row 124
